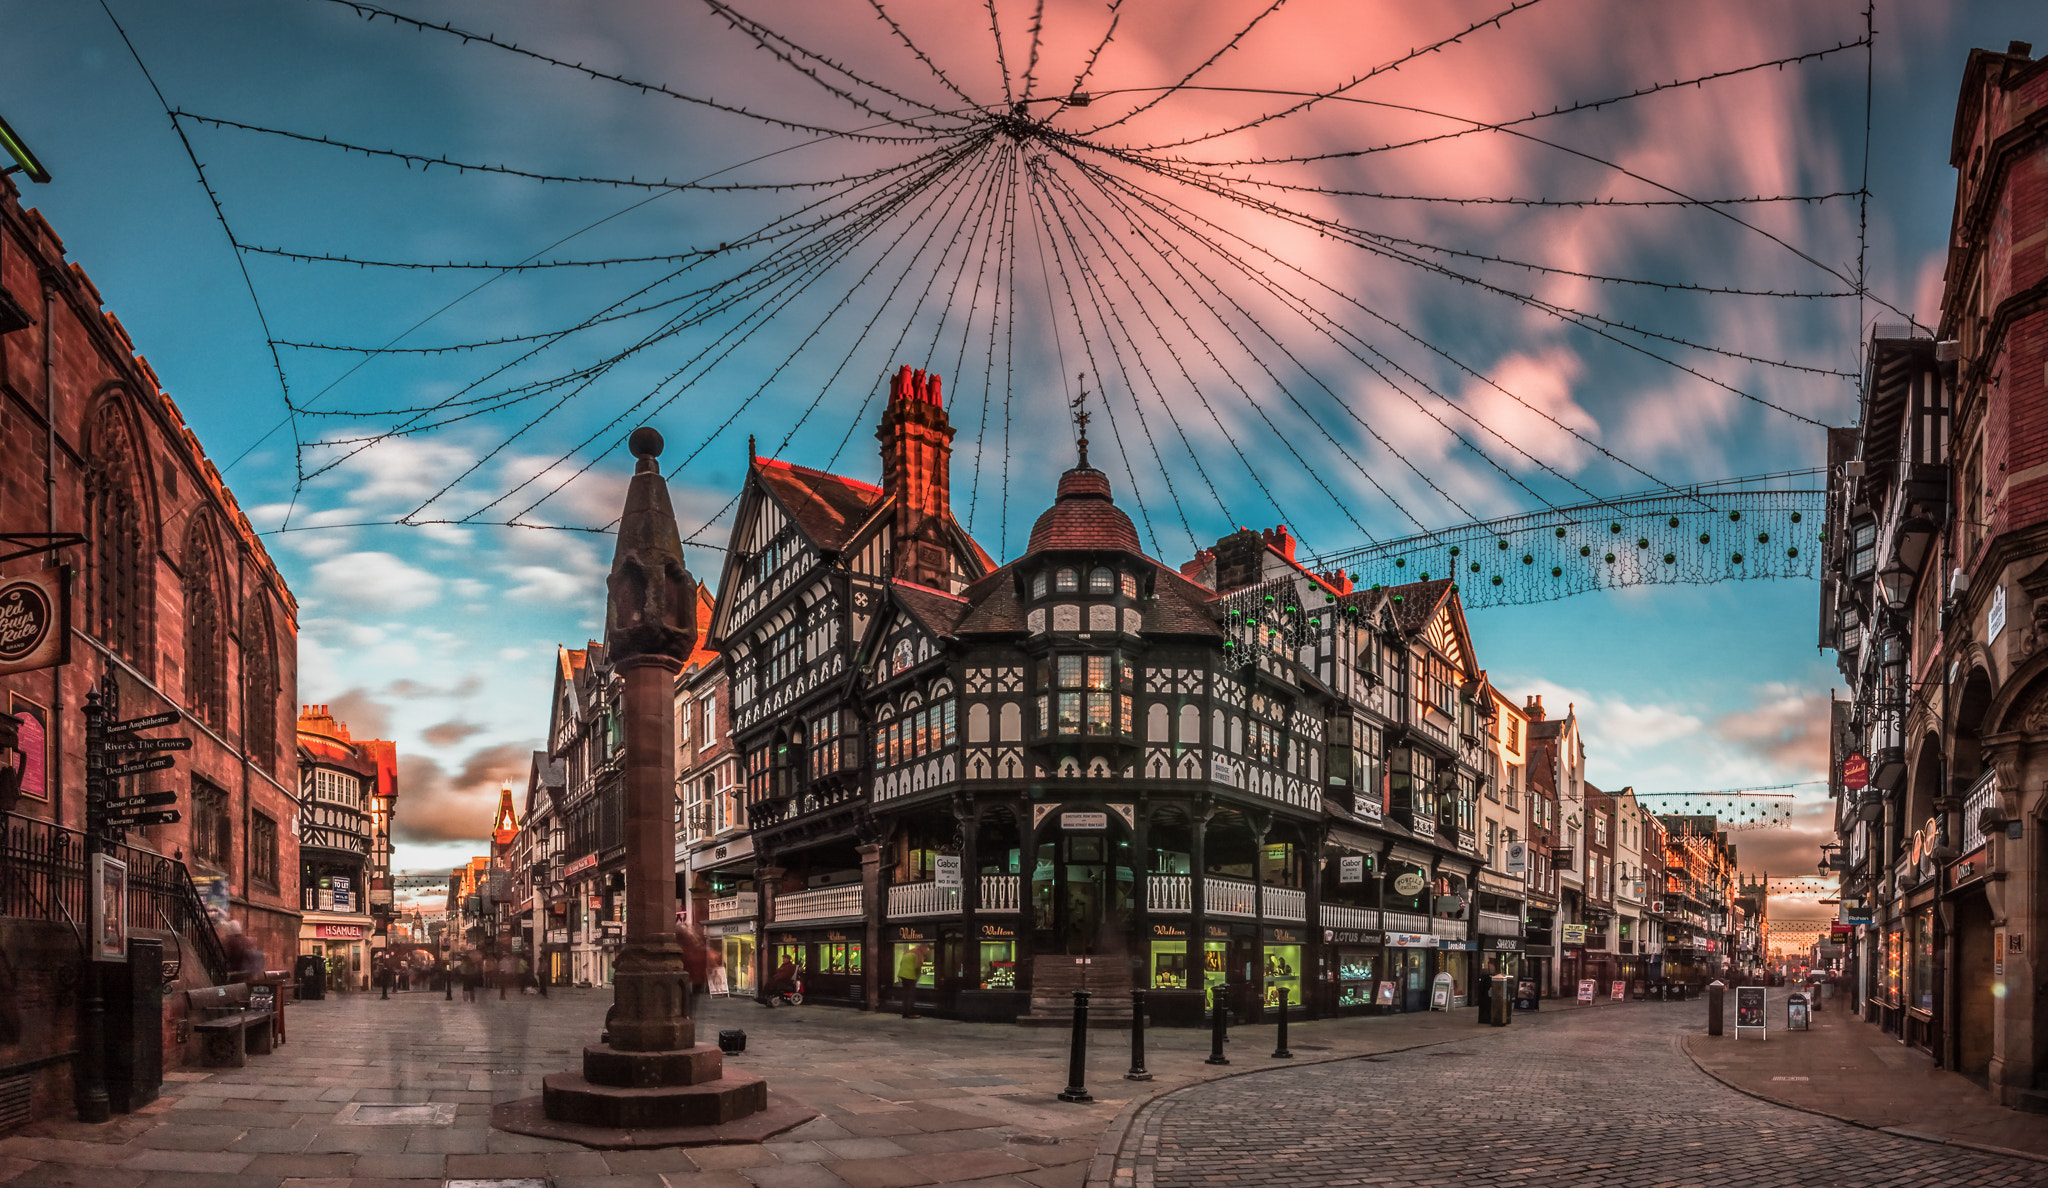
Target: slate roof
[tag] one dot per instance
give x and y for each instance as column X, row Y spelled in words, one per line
column 935, row 610
column 829, row 507
column 1419, row 602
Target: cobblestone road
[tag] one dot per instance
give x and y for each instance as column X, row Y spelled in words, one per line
column 1599, row 1098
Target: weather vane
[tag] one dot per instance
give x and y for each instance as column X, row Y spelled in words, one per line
column 1081, row 417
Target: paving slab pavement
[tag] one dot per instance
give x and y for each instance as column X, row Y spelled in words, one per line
column 1852, row 1071
column 901, row 1102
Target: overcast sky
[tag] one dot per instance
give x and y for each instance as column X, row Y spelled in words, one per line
column 1246, row 366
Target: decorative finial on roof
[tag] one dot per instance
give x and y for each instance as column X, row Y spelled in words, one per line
column 1081, row 419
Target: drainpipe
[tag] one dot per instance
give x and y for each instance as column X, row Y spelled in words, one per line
column 53, row 773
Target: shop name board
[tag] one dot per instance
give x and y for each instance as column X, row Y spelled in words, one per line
column 1411, row 940
column 1505, row 944
column 1169, row 930
column 913, row 934
column 1351, row 936
column 1410, row 884
column 1351, row 868
column 1855, row 772
column 35, row 621
column 1084, row 822
column 946, row 869
column 579, row 866
column 339, row 931
column 1575, row 934
column 999, row 931
column 1283, row 936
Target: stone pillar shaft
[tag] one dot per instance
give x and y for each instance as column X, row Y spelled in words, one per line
column 651, row 1011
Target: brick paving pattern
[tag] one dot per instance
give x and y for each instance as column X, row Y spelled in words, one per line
column 1592, row 1095
column 1590, row 1098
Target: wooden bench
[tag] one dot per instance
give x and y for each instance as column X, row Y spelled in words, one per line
column 232, row 1022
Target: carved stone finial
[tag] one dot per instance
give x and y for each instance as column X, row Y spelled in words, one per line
column 652, row 605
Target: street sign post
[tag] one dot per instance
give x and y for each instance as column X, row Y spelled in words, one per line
column 139, row 820
column 129, row 769
column 133, row 724
column 148, row 744
column 145, row 800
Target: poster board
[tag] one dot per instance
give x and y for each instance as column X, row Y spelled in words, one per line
column 1385, row 994
column 1525, row 995
column 1618, row 991
column 1586, row 990
column 109, row 908
column 1749, row 1011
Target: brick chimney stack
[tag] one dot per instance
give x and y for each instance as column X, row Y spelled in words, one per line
column 917, row 453
column 1534, row 708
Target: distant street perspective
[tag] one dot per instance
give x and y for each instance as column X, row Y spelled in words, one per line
column 783, row 594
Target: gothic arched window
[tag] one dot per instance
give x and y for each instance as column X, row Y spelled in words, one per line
column 114, row 514
column 259, row 682
column 206, row 689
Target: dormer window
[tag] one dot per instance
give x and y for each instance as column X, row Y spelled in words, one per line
column 1066, row 581
column 1038, row 585
column 1101, row 581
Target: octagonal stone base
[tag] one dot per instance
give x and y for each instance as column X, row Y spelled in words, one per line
column 567, row 1097
column 698, row 1065
column 527, row 1116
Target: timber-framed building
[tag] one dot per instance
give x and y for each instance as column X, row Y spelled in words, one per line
column 1087, row 767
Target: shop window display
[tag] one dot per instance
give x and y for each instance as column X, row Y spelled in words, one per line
column 838, row 958
column 928, row 972
column 1923, row 961
column 1169, row 965
column 998, row 965
column 1283, row 970
column 1356, row 969
column 790, row 951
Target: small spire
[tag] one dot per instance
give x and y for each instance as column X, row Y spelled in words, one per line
column 1081, row 419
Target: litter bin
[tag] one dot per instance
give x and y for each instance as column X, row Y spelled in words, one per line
column 1485, row 997
column 311, row 973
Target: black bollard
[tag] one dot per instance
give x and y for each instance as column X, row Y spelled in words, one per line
column 448, row 986
column 1137, row 1072
column 1077, row 1059
column 1280, row 1051
column 1216, row 1055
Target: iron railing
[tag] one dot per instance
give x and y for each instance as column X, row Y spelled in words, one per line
column 44, row 878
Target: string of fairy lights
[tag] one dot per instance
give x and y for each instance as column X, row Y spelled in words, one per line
column 944, row 203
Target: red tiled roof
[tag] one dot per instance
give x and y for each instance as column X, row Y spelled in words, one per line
column 829, row 507
column 1084, row 517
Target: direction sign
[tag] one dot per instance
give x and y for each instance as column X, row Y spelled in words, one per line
column 137, row 768
column 162, row 719
column 151, row 744
column 146, row 800
column 136, row 820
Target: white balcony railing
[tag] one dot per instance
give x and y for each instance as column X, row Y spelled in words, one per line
column 733, row 907
column 1982, row 795
column 999, row 893
column 1286, row 903
column 1168, row 893
column 1499, row 924
column 1228, row 897
column 1407, row 922
column 825, row 903
column 923, row 899
column 1338, row 916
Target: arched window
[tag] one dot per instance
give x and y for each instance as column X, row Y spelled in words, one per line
column 1038, row 585
column 1066, row 581
column 259, row 682
column 206, row 691
column 114, row 513
column 1101, row 581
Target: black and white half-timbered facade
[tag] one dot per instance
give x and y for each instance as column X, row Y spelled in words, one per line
column 1087, row 767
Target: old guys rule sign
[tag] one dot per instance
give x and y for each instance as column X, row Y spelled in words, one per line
column 35, row 620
